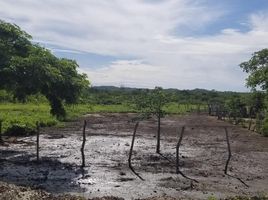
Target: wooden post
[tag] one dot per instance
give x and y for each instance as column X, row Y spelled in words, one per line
column 132, row 145
column 158, row 134
column 37, row 140
column 229, row 150
column 178, row 151
column 83, row 144
column 1, row 139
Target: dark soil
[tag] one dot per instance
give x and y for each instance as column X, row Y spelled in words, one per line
column 203, row 155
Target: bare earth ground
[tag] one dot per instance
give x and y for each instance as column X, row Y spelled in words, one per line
column 203, row 155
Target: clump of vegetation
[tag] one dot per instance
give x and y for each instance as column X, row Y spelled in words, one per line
column 260, row 197
column 212, row 198
column 20, row 130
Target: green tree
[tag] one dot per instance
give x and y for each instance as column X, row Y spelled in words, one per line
column 13, row 42
column 37, row 71
column 257, row 68
column 152, row 103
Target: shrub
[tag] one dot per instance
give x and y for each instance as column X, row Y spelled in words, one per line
column 20, row 130
column 212, row 198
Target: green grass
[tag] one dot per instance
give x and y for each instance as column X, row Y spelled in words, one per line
column 175, row 108
column 74, row 111
column 26, row 115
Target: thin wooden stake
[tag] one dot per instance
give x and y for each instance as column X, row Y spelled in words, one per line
column 131, row 150
column 178, row 151
column 37, row 140
column 229, row 150
column 1, row 139
column 178, row 158
column 158, row 133
column 83, row 144
column 132, row 144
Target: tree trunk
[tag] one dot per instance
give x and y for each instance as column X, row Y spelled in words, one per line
column 83, row 144
column 158, row 134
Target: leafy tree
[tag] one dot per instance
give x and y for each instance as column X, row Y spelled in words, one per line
column 28, row 69
column 152, row 103
column 257, row 67
column 13, row 42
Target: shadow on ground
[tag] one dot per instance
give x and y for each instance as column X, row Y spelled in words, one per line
column 21, row 168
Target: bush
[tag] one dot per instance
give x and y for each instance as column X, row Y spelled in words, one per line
column 212, row 198
column 20, row 130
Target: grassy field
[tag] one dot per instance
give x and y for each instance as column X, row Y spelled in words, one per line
column 26, row 115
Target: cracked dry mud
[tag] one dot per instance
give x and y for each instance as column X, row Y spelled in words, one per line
column 203, row 154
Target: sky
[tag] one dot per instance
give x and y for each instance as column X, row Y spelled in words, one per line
column 184, row 44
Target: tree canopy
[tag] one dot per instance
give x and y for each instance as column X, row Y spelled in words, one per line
column 257, row 67
column 27, row 69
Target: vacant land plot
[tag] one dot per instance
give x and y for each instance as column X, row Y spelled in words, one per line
column 203, row 155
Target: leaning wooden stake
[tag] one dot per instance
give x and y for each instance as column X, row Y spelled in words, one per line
column 83, row 144
column 132, row 145
column 229, row 150
column 131, row 150
column 37, row 140
column 178, row 151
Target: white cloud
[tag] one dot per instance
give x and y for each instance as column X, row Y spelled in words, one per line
column 153, row 31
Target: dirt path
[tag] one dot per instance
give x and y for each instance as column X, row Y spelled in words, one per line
column 203, row 156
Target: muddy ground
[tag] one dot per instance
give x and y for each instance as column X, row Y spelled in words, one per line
column 203, row 155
